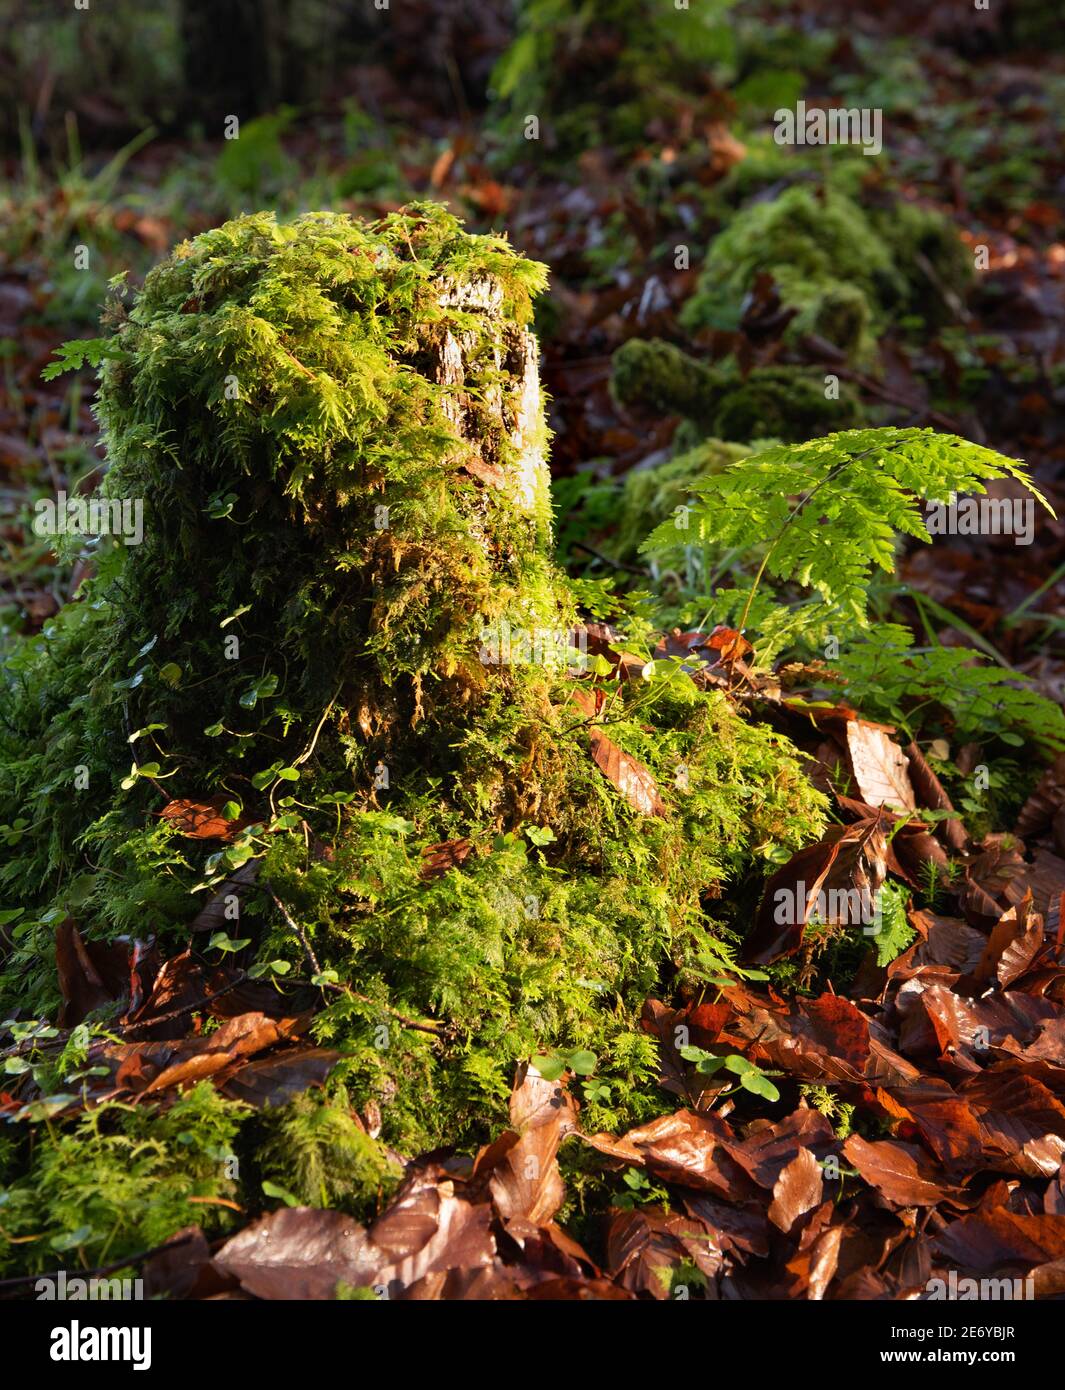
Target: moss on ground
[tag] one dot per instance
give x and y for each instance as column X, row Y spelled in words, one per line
column 117, row 1181
column 635, row 65
column 788, row 403
column 650, row 495
column 845, row 270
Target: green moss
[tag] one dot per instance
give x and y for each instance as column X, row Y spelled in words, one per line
column 845, row 271
column 119, row 1181
column 788, row 403
column 937, row 263
column 605, row 73
column 650, row 495
column 524, row 949
column 318, row 1150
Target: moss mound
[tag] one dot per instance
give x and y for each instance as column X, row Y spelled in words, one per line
column 845, row 270
column 337, row 434
column 786, row 403
column 651, row 495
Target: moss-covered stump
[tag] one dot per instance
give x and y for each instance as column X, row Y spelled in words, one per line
column 786, row 403
column 845, row 270
column 344, row 631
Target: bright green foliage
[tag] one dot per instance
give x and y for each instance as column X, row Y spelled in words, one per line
column 895, row 933
column 320, row 1152
column 829, row 511
column 825, row 516
column 844, row 270
column 615, row 514
column 117, row 1182
column 767, row 403
column 955, row 690
column 77, row 353
column 822, row 1098
column 263, row 399
column 749, row 1077
column 600, row 72
column 289, row 356
column 651, row 495
column 527, row 948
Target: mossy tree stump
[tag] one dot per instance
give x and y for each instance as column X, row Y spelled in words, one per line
column 337, row 432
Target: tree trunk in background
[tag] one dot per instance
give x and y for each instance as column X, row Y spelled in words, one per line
column 237, row 57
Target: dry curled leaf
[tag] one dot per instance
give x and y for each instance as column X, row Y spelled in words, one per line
column 628, row 775
column 881, row 768
column 448, row 854
column 836, row 879
column 635, row 783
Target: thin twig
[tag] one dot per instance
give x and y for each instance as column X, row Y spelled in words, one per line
column 615, row 564
column 294, row 926
column 242, row 975
column 325, row 715
column 346, row 989
column 436, row 1029
column 125, row 1263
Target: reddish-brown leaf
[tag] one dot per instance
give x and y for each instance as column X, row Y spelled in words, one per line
column 796, row 1191
column 525, row 1181
column 988, row 1240
column 1013, row 945
column 300, row 1252
column 931, row 793
column 1022, row 1124
column 644, row 1247
column 628, row 775
column 270, row 1081
column 1038, row 812
column 448, row 854
column 683, row 1148
column 838, row 877
column 91, row 973
column 899, row 1172
column 203, row 820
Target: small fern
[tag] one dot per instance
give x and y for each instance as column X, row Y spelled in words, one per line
column 828, row 512
column 955, row 690
column 895, row 933
column 76, row 353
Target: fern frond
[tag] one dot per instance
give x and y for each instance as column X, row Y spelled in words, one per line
column 828, row 512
